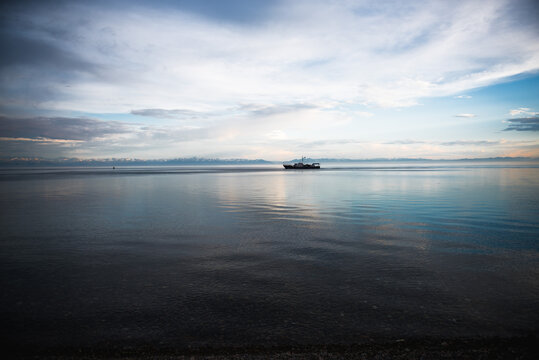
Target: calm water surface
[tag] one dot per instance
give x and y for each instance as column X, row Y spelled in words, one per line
column 191, row 256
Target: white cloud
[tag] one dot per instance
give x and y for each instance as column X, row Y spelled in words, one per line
column 466, row 115
column 389, row 56
column 523, row 112
column 276, row 135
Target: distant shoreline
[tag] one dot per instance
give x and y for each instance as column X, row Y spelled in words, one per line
column 74, row 162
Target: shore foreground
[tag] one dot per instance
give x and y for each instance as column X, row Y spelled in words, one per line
column 478, row 348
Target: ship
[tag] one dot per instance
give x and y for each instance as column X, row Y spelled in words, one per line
column 302, row 166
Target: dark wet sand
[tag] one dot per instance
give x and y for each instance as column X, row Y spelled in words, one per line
column 427, row 348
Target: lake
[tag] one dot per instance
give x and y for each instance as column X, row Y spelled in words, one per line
column 235, row 256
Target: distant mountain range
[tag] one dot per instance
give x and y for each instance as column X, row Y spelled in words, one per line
column 213, row 161
column 126, row 162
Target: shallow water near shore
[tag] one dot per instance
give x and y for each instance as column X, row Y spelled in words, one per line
column 258, row 255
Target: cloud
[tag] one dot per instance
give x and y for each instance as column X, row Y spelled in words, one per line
column 358, row 148
column 466, row 115
column 256, row 110
column 404, row 142
column 523, row 111
column 233, row 11
column 168, row 114
column 523, row 124
column 252, row 110
column 92, row 137
column 41, row 140
column 331, row 142
column 276, row 135
column 530, row 121
column 473, row 142
column 28, row 51
column 207, row 55
column 58, row 128
column 457, row 142
column 230, row 77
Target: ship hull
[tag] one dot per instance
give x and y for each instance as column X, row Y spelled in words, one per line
column 302, row 167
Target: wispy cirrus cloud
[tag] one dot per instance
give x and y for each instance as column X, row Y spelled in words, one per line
column 466, row 115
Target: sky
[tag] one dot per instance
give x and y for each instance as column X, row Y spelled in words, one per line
column 270, row 80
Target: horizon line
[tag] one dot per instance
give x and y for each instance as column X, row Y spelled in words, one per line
column 194, row 159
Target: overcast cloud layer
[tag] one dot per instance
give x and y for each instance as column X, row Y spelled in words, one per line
column 260, row 79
